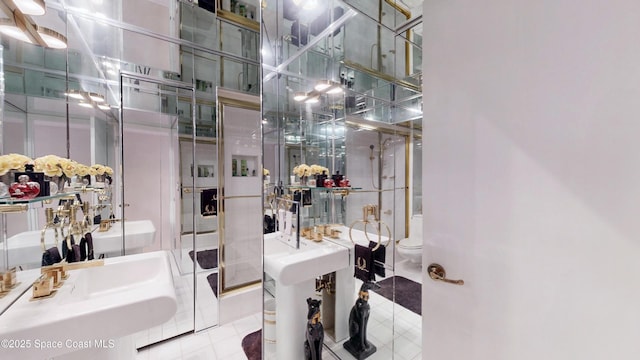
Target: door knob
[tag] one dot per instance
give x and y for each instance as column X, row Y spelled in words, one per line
column 436, row 272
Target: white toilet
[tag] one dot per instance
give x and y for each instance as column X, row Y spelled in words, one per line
column 411, row 247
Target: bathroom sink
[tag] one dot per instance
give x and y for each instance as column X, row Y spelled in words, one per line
column 289, row 266
column 25, row 249
column 138, row 234
column 104, row 303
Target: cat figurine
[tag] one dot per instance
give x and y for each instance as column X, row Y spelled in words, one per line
column 315, row 331
column 358, row 345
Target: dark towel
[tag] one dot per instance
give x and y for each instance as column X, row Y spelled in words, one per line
column 379, row 256
column 89, row 239
column 363, row 266
column 51, row 256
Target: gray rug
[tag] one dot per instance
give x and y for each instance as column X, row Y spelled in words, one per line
column 207, row 259
column 213, row 282
column 408, row 292
column 252, row 345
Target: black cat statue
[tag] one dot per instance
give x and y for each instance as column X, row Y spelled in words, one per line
column 315, row 332
column 357, row 345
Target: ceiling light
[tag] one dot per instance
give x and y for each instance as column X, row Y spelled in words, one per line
column 299, row 96
column 75, row 94
column 51, row 38
column 96, row 97
column 310, row 4
column 31, row 7
column 104, row 107
column 9, row 27
column 336, row 89
column 313, row 100
column 86, row 105
column 323, row 85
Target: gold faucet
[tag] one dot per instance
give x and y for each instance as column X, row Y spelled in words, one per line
column 48, row 213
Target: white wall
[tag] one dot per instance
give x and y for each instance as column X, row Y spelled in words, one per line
column 532, row 179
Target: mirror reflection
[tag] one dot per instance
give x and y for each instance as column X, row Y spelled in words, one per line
column 109, row 99
column 337, row 101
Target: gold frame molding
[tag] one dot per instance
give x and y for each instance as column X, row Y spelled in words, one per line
column 222, row 103
column 235, row 18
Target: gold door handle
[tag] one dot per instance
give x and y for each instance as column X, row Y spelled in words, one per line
column 187, row 190
column 436, row 272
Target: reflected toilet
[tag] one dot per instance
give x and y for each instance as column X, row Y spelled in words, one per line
column 411, row 248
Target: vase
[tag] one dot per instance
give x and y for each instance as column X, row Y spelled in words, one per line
column 57, row 184
column 6, row 180
column 100, row 180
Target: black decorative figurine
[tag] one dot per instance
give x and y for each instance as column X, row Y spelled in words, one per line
column 315, row 332
column 357, row 345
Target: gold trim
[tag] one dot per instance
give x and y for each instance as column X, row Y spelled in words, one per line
column 13, row 208
column 401, row 9
column 239, row 20
column 383, row 76
column 407, row 14
column 223, row 102
column 241, row 197
column 407, row 193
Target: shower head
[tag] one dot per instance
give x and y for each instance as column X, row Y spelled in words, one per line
column 371, row 146
column 371, row 157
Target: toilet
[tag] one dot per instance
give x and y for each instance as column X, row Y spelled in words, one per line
column 411, row 248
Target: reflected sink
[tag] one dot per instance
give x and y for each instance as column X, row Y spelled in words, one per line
column 126, row 295
column 138, row 234
column 25, row 249
column 289, row 266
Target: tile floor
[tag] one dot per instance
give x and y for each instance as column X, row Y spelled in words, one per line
column 403, row 338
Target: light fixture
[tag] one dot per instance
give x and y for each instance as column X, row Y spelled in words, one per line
column 20, row 26
column 96, row 97
column 31, row 7
column 300, row 96
column 313, row 100
column 75, row 94
column 335, row 89
column 323, row 85
column 52, row 39
column 9, row 27
column 85, row 104
column 104, row 107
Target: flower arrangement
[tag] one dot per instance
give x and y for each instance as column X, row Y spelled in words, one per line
column 317, row 169
column 84, row 170
column 102, row 169
column 306, row 170
column 13, row 162
column 52, row 165
column 302, row 170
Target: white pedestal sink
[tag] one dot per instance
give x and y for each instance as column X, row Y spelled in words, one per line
column 294, row 271
column 25, row 249
column 94, row 312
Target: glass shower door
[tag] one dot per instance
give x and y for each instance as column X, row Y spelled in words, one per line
column 149, row 197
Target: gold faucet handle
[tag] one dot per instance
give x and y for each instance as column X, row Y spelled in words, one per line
column 369, row 210
column 48, row 214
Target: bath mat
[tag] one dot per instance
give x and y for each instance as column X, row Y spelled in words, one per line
column 252, row 345
column 408, row 292
column 213, row 282
column 207, row 259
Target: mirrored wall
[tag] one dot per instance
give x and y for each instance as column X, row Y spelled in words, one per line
column 136, row 94
column 347, row 106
